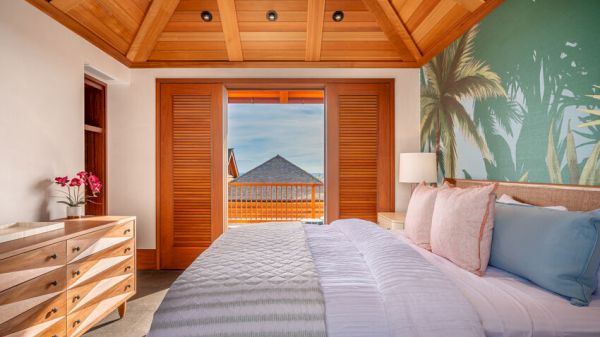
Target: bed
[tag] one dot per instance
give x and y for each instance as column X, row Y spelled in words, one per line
column 511, row 306
column 352, row 278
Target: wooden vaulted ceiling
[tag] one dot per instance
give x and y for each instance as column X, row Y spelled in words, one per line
column 171, row 33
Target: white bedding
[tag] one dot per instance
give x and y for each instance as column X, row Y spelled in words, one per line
column 261, row 281
column 509, row 306
column 372, row 282
column 370, row 292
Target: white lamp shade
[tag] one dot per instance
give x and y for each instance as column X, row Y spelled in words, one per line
column 417, row 167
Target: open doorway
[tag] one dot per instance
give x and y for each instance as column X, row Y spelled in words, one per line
column 276, row 156
column 95, row 139
column 191, row 154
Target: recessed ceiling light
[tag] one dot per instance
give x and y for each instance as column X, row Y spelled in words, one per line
column 272, row 15
column 206, row 16
column 338, row 16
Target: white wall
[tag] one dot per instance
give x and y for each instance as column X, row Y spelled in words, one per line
column 132, row 140
column 41, row 116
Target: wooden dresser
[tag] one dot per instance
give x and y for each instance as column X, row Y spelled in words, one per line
column 61, row 283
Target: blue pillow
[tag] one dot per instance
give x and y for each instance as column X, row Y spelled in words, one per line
column 557, row 250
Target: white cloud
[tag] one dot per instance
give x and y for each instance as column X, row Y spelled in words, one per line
column 258, row 132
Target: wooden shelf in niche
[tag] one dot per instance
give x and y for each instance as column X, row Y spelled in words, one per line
column 95, row 139
column 92, row 128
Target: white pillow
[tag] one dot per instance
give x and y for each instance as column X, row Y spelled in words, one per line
column 507, row 199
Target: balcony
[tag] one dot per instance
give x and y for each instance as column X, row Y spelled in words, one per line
column 270, row 201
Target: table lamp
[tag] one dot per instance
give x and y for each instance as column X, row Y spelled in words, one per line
column 417, row 167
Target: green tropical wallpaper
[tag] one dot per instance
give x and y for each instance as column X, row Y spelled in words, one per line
column 517, row 97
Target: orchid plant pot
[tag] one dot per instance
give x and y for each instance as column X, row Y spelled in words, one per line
column 74, row 190
column 75, row 212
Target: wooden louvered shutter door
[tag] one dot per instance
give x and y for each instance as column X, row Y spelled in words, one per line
column 360, row 151
column 190, row 144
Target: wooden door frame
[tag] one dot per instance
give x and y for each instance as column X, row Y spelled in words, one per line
column 95, row 83
column 259, row 84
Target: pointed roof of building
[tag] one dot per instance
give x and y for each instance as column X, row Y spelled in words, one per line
column 232, row 168
column 278, row 170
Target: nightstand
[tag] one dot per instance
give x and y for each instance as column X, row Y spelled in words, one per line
column 391, row 220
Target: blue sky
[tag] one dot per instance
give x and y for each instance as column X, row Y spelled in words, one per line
column 258, row 132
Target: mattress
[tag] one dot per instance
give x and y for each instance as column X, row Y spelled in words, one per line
column 510, row 306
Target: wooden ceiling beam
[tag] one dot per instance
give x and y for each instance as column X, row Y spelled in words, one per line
column 156, row 19
column 314, row 29
column 65, row 5
column 275, row 64
column 393, row 27
column 470, row 5
column 231, row 30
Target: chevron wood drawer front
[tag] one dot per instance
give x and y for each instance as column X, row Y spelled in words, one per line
column 91, row 290
column 37, row 301
column 57, row 329
column 84, row 246
column 23, row 267
column 61, row 283
column 82, row 320
column 95, row 265
column 124, row 230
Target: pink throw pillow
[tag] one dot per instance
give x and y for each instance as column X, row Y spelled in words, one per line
column 417, row 223
column 462, row 226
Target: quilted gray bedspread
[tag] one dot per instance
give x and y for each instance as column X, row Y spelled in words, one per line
column 257, row 280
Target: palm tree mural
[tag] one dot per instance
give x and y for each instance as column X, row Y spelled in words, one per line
column 548, row 64
column 590, row 167
column 591, row 122
column 520, row 116
column 595, row 112
column 451, row 77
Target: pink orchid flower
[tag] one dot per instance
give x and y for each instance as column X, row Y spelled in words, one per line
column 82, row 175
column 75, row 182
column 93, row 179
column 94, row 184
column 62, row 181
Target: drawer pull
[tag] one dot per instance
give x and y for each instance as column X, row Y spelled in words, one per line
column 52, row 257
column 76, row 249
column 53, row 283
column 127, row 268
column 76, row 298
column 54, row 335
column 52, row 311
column 127, row 250
column 126, row 231
column 76, row 273
column 127, row 287
column 77, row 322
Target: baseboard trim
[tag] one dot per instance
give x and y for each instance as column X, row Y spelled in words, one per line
column 146, row 259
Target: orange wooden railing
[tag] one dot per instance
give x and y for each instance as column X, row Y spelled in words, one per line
column 263, row 202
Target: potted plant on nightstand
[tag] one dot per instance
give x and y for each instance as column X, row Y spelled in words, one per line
column 75, row 193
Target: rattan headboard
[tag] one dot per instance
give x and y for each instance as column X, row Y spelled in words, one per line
column 574, row 197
